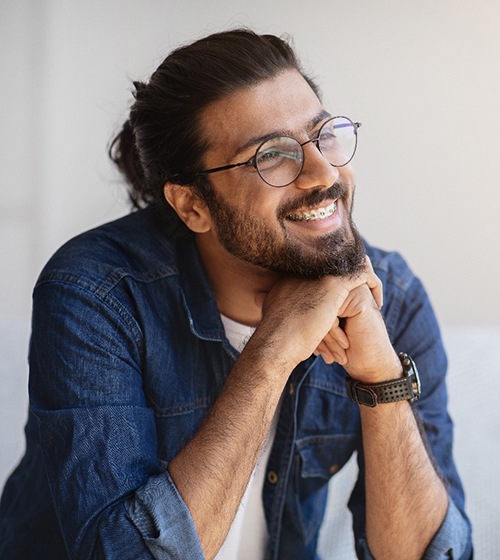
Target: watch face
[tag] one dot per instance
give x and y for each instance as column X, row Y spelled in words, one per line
column 416, row 383
column 412, row 372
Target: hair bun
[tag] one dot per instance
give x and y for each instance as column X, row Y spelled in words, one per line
column 140, row 89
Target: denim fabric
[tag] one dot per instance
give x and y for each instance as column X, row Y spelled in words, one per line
column 128, row 353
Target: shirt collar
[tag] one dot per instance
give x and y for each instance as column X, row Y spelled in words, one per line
column 197, row 296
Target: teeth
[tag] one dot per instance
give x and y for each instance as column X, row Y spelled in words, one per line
column 317, row 214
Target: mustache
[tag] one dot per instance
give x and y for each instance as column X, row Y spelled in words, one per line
column 313, row 198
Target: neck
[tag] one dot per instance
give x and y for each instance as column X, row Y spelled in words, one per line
column 239, row 288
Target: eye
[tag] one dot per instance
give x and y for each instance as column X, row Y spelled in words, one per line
column 270, row 157
column 327, row 134
column 278, row 152
column 327, row 140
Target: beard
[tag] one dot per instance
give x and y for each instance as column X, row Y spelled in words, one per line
column 251, row 239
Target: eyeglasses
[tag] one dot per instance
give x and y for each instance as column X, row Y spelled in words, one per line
column 279, row 161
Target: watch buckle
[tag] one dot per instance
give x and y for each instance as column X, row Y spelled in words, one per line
column 356, row 391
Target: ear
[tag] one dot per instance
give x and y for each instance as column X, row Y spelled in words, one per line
column 189, row 207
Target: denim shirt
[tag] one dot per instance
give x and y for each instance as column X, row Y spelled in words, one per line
column 127, row 355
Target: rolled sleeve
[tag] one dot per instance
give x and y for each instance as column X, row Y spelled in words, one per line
column 451, row 542
column 112, row 495
column 160, row 515
column 111, row 500
column 413, row 328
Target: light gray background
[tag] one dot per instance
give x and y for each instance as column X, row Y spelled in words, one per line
column 423, row 77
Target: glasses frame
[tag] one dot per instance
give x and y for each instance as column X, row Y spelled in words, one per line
column 253, row 160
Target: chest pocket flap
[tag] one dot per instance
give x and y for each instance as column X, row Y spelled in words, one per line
column 322, row 456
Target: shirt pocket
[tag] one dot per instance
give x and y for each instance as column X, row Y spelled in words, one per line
column 318, row 458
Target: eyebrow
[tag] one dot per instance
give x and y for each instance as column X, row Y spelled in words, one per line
column 257, row 140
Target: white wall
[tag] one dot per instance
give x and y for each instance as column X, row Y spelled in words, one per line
column 423, row 77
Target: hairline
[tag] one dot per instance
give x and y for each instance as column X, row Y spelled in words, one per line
column 257, row 140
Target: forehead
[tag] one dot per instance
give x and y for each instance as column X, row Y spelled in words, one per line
column 285, row 103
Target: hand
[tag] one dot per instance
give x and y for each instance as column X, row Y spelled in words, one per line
column 298, row 314
column 360, row 341
column 334, row 345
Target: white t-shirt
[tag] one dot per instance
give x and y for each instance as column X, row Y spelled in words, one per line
column 247, row 537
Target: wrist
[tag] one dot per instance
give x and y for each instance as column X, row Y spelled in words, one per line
column 405, row 387
column 278, row 346
column 266, row 360
column 385, row 368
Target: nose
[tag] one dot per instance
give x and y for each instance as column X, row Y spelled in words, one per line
column 317, row 170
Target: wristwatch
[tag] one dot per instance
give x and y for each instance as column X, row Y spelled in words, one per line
column 406, row 388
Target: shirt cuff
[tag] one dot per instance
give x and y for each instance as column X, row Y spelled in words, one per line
column 451, row 542
column 163, row 520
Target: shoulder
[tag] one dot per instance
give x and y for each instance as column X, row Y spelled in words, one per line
column 391, row 268
column 406, row 303
column 135, row 246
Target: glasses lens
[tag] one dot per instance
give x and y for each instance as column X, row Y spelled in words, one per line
column 279, row 161
column 337, row 140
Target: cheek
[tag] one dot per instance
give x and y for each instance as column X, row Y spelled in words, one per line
column 347, row 174
column 261, row 202
column 249, row 196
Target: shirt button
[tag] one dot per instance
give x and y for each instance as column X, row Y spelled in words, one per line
column 333, row 469
column 291, row 389
column 272, row 477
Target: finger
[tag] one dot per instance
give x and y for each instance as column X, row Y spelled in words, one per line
column 339, row 335
column 330, row 345
column 374, row 283
column 323, row 351
column 348, row 301
column 357, row 300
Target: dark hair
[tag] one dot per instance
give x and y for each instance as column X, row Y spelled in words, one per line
column 161, row 140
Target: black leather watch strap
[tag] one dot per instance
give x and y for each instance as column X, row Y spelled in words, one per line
column 405, row 388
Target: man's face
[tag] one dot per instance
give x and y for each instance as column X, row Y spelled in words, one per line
column 265, row 226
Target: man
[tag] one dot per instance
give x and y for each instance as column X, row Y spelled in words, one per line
column 188, row 393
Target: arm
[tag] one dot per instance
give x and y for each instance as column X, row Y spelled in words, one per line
column 212, row 471
column 406, row 501
column 96, row 433
column 370, row 357
column 410, row 486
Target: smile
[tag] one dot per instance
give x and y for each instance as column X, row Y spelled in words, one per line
column 314, row 215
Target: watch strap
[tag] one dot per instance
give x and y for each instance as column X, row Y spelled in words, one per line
column 405, row 388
